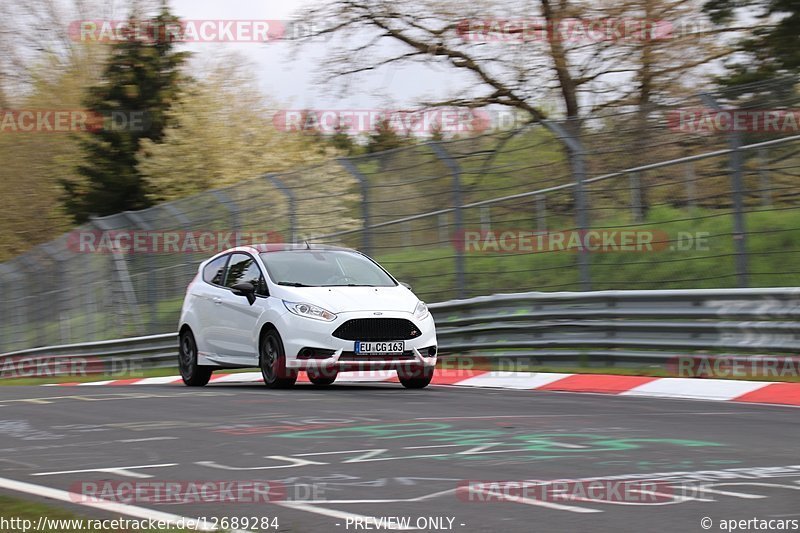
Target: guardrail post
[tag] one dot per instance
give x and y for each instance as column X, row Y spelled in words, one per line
column 363, row 182
column 739, row 231
column 287, row 192
column 577, row 162
column 458, row 216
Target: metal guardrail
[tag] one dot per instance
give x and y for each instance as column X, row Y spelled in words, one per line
column 620, row 327
column 611, row 327
column 111, row 356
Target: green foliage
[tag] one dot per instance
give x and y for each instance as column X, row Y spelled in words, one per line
column 140, row 76
column 772, row 49
column 385, row 137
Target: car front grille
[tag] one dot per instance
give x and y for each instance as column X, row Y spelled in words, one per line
column 377, row 329
column 348, row 357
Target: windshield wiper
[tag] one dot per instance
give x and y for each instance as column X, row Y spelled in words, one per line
column 294, row 284
column 349, row 285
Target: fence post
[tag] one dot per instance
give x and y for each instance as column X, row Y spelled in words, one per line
column 35, row 292
column 151, row 291
column 636, row 196
column 363, row 182
column 287, row 192
column 231, row 206
column 739, row 231
column 124, row 276
column 61, row 295
column 577, row 156
column 763, row 173
column 691, row 186
column 442, row 226
column 13, row 294
column 458, row 216
column 541, row 213
column 486, row 218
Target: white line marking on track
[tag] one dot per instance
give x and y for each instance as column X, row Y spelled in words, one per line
column 538, row 503
column 149, row 439
column 291, row 460
column 678, row 413
column 742, row 495
column 119, row 470
column 112, row 507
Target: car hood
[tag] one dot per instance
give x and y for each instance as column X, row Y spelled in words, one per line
column 348, row 299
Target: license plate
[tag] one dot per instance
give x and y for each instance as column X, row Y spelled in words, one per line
column 380, row 348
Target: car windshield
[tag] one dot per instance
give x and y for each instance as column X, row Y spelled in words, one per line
column 324, row 268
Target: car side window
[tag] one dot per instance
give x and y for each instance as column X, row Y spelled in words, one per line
column 244, row 269
column 214, row 272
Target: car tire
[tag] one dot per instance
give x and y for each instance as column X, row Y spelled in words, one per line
column 272, row 361
column 415, row 377
column 323, row 376
column 192, row 374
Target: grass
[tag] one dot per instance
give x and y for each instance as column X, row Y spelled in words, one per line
column 773, row 250
column 15, row 508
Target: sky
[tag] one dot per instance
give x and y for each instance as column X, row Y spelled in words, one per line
column 294, row 83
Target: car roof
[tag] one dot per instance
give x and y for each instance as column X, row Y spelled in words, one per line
column 285, row 247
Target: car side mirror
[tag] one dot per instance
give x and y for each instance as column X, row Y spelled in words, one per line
column 247, row 290
column 406, row 285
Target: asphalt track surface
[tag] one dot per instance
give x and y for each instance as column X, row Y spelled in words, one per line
column 349, row 452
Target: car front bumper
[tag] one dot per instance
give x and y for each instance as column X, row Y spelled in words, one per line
column 301, row 332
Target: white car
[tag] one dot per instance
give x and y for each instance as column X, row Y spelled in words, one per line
column 313, row 308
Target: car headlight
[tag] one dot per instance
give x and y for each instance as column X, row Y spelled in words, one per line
column 309, row 311
column 421, row 311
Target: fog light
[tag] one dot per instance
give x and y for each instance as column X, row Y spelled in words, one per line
column 431, row 351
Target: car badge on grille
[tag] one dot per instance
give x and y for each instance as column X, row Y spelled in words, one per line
column 377, row 313
column 414, row 333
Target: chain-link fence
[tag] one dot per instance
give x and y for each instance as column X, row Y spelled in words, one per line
column 674, row 196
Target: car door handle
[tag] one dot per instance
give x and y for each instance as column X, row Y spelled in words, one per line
column 216, row 300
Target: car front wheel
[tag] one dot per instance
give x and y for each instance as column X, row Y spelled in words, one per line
column 415, row 377
column 322, row 376
column 272, row 360
column 193, row 375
